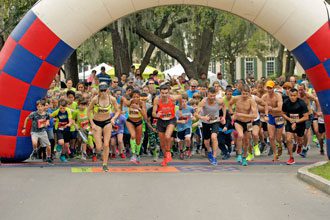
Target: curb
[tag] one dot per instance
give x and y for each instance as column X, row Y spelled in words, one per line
column 314, row 180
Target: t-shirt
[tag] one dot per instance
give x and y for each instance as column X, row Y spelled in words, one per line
column 82, row 119
column 294, row 110
column 190, row 93
column 39, row 121
column 103, row 77
column 187, row 114
column 62, row 119
column 119, row 125
column 236, row 92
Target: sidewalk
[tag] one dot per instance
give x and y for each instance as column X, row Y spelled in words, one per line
column 314, row 180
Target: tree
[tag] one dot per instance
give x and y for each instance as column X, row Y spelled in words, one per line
column 71, row 68
column 11, row 12
column 232, row 40
column 204, row 22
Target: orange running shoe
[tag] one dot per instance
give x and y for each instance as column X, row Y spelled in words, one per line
column 94, row 158
column 169, row 157
column 164, row 162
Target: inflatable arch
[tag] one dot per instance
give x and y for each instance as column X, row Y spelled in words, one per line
column 52, row 29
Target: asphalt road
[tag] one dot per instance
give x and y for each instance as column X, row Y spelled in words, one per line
column 259, row 191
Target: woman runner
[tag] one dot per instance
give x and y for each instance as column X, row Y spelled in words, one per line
column 102, row 106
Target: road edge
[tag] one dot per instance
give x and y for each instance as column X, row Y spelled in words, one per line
column 314, row 180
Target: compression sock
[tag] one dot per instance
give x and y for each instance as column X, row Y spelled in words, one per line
column 133, row 146
column 138, row 148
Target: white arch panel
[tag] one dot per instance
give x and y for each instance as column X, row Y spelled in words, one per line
column 308, row 17
column 59, row 17
column 226, row 5
column 248, row 9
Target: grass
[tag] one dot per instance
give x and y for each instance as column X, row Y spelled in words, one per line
column 323, row 171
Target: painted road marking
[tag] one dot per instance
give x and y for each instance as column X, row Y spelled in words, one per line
column 126, row 170
column 169, row 169
column 209, row 169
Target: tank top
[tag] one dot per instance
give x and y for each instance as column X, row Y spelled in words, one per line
column 103, row 110
column 134, row 113
column 212, row 111
column 167, row 109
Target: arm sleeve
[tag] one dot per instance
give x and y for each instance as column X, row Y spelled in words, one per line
column 55, row 113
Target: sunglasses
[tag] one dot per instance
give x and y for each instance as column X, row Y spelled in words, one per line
column 103, row 90
column 115, row 81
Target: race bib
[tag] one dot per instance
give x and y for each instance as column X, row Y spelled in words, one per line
column 213, row 119
column 42, row 123
column 166, row 116
column 61, row 125
column 279, row 120
column 134, row 112
column 294, row 116
column 249, row 126
column 84, row 124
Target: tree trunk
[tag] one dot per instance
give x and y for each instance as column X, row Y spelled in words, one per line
column 204, row 52
column 287, row 63
column 189, row 67
column 292, row 66
column 280, row 61
column 121, row 50
column 71, row 68
column 2, row 42
column 232, row 77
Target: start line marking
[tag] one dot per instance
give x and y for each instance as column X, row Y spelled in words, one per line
column 155, row 169
column 126, row 170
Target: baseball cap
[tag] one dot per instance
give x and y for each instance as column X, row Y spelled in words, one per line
column 270, row 84
column 103, row 86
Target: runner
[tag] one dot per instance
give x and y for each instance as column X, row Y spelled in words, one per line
column 136, row 113
column 274, row 117
column 164, row 111
column 40, row 122
column 295, row 112
column 246, row 112
column 83, row 125
column 99, row 112
column 184, row 127
column 208, row 113
column 308, row 99
column 117, row 137
column 64, row 121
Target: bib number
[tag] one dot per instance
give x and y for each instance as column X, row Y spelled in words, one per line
column 279, row 120
column 295, row 117
column 42, row 123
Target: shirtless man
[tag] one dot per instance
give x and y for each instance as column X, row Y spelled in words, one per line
column 246, row 112
column 274, row 116
column 308, row 99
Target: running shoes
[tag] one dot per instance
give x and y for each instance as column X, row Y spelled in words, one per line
column 290, row 161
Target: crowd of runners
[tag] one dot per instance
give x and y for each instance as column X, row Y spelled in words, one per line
column 129, row 117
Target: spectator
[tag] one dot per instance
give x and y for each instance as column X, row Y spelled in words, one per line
column 114, row 86
column 203, row 80
column 193, row 89
column 91, row 78
column 223, row 83
column 81, row 87
column 104, row 77
column 123, row 80
column 69, row 85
